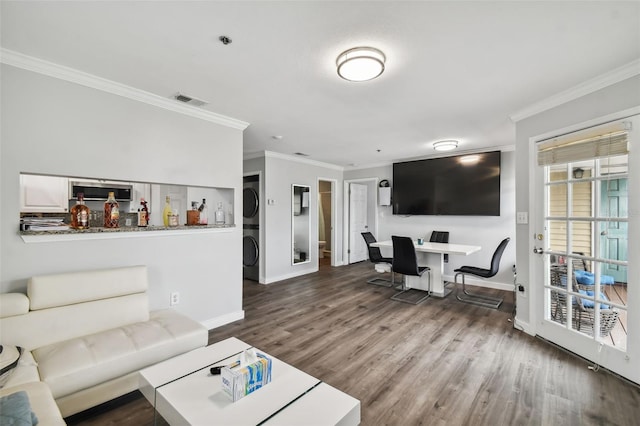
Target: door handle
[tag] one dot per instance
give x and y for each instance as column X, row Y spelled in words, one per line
column 537, row 250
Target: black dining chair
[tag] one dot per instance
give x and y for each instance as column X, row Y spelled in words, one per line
column 440, row 237
column 480, row 299
column 405, row 262
column 375, row 256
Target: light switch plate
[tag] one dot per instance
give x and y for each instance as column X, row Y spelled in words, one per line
column 522, row 218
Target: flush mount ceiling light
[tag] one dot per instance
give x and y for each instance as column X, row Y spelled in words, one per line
column 360, row 64
column 445, row 145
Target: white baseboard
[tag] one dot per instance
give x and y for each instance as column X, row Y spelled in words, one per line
column 223, row 319
column 272, row 280
column 482, row 283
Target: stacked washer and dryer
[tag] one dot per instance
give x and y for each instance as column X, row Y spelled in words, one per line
column 251, row 228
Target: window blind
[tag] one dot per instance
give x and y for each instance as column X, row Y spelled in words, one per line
column 611, row 140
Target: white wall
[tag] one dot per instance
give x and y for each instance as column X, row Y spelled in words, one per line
column 485, row 231
column 57, row 127
column 604, row 102
column 280, row 173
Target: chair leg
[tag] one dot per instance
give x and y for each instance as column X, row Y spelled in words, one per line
column 398, row 296
column 383, row 282
column 474, row 298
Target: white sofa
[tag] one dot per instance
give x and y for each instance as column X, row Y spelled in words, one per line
column 86, row 335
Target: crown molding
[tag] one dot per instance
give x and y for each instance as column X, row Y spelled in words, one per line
column 30, row 63
column 612, row 77
column 297, row 159
column 369, row 166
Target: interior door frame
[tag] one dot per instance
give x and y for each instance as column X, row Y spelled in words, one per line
column 346, row 213
column 620, row 362
column 334, row 215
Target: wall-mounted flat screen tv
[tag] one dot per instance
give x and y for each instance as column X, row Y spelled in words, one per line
column 464, row 185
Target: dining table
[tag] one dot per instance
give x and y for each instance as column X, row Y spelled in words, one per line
column 431, row 255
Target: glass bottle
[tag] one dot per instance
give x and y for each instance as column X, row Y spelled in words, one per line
column 111, row 212
column 220, row 215
column 143, row 213
column 204, row 213
column 167, row 211
column 80, row 214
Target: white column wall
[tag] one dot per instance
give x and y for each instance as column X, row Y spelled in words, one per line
column 280, row 174
column 56, row 127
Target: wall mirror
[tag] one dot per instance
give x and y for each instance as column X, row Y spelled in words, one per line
column 300, row 224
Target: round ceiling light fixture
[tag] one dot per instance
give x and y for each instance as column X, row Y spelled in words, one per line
column 447, row 145
column 360, row 63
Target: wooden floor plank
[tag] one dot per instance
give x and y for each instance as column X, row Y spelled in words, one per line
column 438, row 363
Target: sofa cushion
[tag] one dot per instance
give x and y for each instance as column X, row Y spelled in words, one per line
column 47, row 291
column 25, row 372
column 77, row 364
column 48, row 326
column 13, row 304
column 41, row 402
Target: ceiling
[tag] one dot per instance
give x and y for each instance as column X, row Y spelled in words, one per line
column 454, row 70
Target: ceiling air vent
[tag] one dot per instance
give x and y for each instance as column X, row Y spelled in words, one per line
column 189, row 100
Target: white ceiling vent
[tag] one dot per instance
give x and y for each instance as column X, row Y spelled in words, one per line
column 186, row 99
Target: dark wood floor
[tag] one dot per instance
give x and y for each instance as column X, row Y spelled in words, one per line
column 438, row 363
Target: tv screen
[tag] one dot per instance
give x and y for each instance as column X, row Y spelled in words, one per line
column 464, row 185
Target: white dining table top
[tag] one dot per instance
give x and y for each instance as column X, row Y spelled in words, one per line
column 429, row 247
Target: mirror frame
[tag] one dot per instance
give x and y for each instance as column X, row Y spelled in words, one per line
column 299, row 210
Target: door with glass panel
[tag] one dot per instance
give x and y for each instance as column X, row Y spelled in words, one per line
column 584, row 291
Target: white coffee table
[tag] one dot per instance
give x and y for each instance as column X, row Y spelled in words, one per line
column 183, row 392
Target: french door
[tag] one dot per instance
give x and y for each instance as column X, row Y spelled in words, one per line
column 586, row 252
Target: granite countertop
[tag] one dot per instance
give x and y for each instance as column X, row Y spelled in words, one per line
column 97, row 230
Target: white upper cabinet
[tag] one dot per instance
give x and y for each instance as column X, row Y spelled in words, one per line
column 44, row 194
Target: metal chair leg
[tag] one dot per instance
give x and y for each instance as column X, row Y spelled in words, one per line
column 475, row 298
column 398, row 296
column 383, row 282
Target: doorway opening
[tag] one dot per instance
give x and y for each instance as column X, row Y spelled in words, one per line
column 361, row 215
column 325, row 223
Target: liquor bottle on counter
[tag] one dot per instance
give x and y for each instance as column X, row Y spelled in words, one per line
column 143, row 213
column 80, row 213
column 167, row 211
column 220, row 215
column 111, row 212
column 204, row 213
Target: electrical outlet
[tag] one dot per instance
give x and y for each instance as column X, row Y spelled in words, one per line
column 175, row 298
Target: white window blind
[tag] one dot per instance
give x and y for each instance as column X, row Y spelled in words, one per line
column 604, row 141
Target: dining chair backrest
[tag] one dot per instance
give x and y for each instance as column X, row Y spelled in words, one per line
column 405, row 260
column 439, row 237
column 497, row 255
column 375, row 255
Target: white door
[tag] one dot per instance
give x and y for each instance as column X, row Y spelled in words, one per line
column 357, row 222
column 578, row 305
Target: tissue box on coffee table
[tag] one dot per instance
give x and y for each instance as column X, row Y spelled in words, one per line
column 253, row 372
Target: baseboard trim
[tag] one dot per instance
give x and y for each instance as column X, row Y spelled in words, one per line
column 223, row 320
column 272, row 280
column 482, row 283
